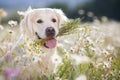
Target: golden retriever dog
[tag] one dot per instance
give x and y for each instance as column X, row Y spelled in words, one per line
column 42, row 23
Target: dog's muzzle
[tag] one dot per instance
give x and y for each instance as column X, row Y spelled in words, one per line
column 50, row 41
column 50, row 32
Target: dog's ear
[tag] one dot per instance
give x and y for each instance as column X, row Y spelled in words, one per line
column 24, row 26
column 61, row 17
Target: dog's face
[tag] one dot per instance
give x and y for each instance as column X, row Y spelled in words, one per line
column 43, row 24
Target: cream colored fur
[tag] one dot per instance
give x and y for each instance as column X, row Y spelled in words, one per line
column 28, row 27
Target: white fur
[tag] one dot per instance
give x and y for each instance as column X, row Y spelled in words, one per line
column 29, row 26
column 46, row 15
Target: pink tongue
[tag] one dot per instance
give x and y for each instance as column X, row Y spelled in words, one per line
column 51, row 43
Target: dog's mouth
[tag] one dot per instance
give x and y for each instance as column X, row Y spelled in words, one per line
column 49, row 43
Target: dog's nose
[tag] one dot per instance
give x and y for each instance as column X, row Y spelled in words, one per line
column 50, row 32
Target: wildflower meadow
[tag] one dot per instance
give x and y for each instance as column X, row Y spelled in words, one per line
column 85, row 51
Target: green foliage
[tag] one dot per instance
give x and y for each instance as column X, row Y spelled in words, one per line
column 67, row 70
column 90, row 52
column 39, row 42
column 69, row 27
column 83, row 68
column 70, row 71
column 103, row 72
column 61, row 52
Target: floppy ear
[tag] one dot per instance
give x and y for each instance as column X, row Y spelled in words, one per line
column 25, row 27
column 61, row 17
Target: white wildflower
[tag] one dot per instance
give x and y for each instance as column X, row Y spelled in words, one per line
column 57, row 78
column 56, row 59
column 107, row 64
column 12, row 23
column 90, row 14
column 17, row 59
column 81, row 12
column 1, row 27
column 81, row 77
column 21, row 13
column 104, row 19
column 36, row 58
column 79, row 59
column 113, row 79
column 110, row 47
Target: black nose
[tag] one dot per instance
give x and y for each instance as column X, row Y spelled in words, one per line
column 50, row 32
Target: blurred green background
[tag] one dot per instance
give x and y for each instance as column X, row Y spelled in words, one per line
column 88, row 10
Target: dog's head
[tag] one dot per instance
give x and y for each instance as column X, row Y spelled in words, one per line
column 43, row 24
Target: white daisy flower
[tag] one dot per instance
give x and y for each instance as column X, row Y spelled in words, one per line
column 79, row 59
column 1, row 27
column 12, row 23
column 56, row 59
column 81, row 77
column 21, row 13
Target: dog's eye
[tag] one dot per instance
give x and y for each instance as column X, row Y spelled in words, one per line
column 39, row 21
column 53, row 20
